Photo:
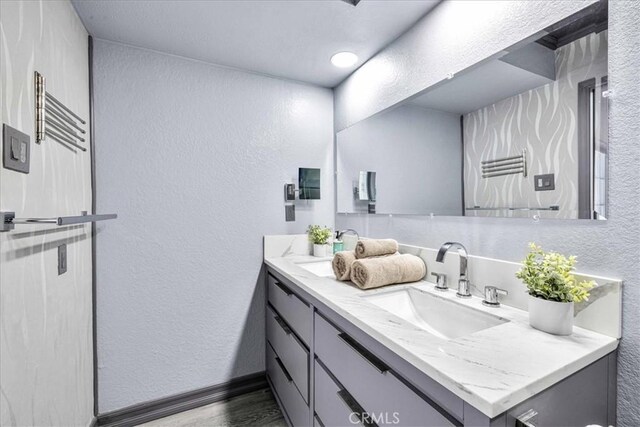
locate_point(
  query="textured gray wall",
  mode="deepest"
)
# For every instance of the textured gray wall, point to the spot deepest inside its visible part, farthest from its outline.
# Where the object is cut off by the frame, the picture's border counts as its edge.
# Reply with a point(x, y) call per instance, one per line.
point(46, 348)
point(193, 157)
point(415, 152)
point(610, 248)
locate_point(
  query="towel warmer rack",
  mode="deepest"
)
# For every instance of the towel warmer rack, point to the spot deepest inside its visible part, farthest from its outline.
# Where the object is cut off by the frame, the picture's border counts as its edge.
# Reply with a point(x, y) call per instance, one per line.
point(8, 220)
point(56, 120)
point(505, 166)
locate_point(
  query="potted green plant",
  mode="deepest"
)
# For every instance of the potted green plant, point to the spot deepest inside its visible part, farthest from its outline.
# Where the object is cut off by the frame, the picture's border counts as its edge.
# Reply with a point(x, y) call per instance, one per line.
point(319, 236)
point(552, 290)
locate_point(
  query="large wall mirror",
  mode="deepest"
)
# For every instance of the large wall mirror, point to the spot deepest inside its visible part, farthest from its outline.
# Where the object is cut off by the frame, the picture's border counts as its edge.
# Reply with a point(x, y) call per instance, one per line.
point(519, 135)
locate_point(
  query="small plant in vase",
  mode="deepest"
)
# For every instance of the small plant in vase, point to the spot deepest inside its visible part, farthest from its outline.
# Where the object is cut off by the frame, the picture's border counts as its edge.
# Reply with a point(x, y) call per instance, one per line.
point(553, 290)
point(319, 236)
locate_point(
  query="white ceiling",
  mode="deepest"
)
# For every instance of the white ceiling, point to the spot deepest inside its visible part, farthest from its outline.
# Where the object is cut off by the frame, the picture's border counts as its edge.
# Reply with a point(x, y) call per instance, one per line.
point(292, 39)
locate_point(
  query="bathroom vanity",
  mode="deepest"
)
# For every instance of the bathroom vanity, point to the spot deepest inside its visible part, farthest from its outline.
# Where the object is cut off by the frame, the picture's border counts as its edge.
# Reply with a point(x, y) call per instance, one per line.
point(339, 356)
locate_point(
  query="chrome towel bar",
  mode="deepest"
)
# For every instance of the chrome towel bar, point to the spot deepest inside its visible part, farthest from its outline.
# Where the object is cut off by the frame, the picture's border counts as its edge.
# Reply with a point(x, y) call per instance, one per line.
point(8, 220)
point(550, 208)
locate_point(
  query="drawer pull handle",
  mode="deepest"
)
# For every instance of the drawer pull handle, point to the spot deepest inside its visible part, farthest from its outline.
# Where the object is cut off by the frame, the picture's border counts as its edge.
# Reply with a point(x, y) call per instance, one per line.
point(364, 353)
point(284, 326)
point(526, 419)
point(354, 407)
point(284, 370)
point(284, 289)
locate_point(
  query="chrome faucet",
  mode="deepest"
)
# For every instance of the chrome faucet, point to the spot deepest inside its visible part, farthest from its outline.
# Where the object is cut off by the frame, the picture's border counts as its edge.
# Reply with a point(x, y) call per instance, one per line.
point(340, 233)
point(464, 285)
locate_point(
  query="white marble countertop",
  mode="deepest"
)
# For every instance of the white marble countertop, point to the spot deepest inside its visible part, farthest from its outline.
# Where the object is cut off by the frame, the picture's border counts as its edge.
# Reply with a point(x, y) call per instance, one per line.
point(493, 369)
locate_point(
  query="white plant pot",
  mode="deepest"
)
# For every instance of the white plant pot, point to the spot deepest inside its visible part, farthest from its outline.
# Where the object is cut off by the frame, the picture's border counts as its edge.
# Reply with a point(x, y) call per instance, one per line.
point(551, 316)
point(320, 250)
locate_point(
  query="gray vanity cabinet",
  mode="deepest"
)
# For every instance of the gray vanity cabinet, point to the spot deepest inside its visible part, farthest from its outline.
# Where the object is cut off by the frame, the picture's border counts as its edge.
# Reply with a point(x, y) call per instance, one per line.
point(324, 371)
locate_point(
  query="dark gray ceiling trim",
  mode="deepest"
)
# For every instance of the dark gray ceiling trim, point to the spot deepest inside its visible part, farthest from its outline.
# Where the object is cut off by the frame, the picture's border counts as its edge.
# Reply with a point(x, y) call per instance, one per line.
point(92, 151)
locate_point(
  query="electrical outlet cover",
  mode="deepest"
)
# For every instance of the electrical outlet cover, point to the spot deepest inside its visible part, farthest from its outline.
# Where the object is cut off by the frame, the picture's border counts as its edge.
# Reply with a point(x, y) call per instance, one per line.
point(544, 182)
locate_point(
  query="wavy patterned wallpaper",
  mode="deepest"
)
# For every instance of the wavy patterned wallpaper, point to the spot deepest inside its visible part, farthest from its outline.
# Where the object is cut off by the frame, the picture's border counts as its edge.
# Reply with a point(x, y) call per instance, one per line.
point(542, 120)
point(46, 357)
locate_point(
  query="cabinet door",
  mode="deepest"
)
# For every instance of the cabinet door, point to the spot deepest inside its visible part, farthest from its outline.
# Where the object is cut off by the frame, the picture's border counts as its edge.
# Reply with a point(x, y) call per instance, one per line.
point(333, 405)
point(293, 310)
point(578, 400)
point(290, 350)
point(292, 402)
point(385, 398)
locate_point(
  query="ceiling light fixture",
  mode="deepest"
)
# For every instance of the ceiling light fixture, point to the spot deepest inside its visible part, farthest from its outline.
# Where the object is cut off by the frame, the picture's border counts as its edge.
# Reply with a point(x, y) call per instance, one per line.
point(344, 59)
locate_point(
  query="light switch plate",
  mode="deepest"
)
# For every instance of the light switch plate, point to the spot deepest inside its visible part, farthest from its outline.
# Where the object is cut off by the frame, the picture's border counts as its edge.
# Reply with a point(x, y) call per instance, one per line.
point(544, 182)
point(62, 259)
point(16, 149)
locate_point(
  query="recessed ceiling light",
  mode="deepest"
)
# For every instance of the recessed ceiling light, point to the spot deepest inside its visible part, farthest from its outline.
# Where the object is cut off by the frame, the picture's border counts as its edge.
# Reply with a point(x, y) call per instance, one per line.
point(344, 59)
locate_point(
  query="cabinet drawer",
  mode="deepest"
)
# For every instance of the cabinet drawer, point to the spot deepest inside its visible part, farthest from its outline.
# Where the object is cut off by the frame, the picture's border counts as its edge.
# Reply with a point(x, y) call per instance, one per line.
point(331, 402)
point(293, 404)
point(380, 392)
point(294, 311)
point(290, 350)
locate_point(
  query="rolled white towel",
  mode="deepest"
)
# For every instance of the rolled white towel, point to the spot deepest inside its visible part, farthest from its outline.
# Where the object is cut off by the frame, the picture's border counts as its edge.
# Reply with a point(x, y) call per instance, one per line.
point(375, 247)
point(371, 273)
point(341, 264)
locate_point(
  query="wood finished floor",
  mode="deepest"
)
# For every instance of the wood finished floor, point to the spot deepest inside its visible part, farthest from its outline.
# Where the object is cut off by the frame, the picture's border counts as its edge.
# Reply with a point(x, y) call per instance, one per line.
point(252, 409)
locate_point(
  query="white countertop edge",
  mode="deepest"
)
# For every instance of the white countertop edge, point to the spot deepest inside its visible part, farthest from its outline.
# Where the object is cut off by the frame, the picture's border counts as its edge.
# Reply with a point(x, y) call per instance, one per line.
point(488, 406)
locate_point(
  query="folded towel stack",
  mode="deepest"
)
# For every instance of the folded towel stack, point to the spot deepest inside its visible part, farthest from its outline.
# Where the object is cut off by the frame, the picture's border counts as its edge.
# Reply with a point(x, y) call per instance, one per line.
point(376, 263)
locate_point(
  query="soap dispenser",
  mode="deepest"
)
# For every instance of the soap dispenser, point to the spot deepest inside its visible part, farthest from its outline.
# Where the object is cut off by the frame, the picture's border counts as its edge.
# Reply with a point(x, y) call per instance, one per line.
point(338, 245)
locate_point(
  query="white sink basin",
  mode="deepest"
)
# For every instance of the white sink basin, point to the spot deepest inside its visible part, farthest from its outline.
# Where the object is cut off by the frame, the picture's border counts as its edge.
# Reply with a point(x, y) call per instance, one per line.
point(438, 316)
point(319, 268)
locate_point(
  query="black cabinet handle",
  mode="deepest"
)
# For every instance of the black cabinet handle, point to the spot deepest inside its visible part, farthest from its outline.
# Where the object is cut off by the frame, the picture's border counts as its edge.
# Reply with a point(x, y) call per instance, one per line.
point(527, 419)
point(284, 370)
point(364, 353)
point(284, 289)
point(283, 325)
point(354, 407)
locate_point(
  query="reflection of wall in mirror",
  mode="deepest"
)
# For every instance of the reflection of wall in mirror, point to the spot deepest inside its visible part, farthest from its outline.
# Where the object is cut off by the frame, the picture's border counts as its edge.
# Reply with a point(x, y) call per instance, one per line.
point(542, 120)
point(415, 153)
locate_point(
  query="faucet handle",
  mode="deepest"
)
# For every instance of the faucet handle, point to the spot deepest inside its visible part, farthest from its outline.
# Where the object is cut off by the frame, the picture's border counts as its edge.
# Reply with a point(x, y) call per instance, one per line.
point(491, 296)
point(464, 289)
point(441, 281)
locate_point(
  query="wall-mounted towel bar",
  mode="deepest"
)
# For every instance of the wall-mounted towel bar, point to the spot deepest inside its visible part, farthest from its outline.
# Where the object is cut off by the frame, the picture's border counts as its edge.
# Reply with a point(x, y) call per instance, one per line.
point(8, 220)
point(550, 208)
point(55, 120)
point(505, 166)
